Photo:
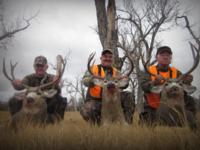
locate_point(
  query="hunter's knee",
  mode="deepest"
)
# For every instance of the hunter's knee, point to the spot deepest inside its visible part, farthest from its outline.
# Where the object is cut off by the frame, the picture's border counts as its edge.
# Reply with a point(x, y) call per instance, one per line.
point(86, 112)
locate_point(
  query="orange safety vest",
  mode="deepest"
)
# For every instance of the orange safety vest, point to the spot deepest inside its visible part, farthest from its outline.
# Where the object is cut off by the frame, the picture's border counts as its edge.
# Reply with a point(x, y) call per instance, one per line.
point(153, 99)
point(96, 91)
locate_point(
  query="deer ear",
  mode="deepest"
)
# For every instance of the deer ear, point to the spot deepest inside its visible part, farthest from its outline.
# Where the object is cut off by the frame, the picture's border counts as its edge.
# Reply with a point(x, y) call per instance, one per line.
point(20, 96)
point(50, 93)
point(189, 88)
point(123, 83)
point(157, 89)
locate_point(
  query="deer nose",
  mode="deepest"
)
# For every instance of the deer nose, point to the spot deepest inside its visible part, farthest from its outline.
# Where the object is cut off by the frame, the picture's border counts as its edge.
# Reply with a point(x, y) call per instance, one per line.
point(111, 85)
point(30, 99)
point(174, 88)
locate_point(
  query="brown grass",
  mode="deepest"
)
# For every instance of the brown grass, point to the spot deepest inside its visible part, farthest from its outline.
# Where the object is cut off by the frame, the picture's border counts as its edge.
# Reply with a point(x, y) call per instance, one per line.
point(74, 133)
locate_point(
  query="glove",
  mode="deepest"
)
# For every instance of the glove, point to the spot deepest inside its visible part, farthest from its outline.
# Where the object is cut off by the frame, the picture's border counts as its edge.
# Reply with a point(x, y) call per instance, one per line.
point(188, 79)
point(159, 80)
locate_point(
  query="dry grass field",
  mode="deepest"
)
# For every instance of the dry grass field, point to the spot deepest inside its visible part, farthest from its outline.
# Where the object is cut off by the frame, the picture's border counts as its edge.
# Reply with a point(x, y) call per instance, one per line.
point(73, 133)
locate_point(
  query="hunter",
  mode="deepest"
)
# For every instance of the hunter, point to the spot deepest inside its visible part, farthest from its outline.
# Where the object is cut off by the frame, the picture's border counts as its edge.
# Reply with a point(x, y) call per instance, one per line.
point(57, 104)
point(91, 110)
point(163, 71)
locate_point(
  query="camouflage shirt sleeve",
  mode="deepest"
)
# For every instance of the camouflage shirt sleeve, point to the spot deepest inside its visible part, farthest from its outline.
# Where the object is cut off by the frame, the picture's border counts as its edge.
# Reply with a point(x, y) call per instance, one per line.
point(126, 80)
point(87, 79)
point(20, 86)
point(25, 80)
point(145, 82)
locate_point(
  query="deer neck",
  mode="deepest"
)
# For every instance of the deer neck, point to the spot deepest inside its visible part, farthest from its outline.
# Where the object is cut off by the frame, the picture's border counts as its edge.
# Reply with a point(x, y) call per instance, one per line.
point(110, 96)
point(172, 101)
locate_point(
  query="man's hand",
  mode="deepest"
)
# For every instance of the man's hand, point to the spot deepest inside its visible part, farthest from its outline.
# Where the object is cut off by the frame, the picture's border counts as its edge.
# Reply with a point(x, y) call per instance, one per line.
point(158, 80)
point(16, 83)
point(188, 79)
point(91, 82)
point(123, 77)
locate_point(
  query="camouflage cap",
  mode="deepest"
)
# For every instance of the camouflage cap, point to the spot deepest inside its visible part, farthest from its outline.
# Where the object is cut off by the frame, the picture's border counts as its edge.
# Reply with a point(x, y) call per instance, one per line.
point(106, 51)
point(163, 49)
point(40, 60)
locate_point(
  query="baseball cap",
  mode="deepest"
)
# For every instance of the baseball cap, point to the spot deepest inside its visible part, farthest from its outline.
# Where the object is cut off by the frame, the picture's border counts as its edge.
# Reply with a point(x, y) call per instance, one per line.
point(40, 60)
point(106, 51)
point(164, 49)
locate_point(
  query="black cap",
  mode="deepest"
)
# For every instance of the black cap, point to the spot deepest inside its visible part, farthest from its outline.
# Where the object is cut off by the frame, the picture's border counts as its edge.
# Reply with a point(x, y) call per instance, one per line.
point(164, 49)
point(106, 51)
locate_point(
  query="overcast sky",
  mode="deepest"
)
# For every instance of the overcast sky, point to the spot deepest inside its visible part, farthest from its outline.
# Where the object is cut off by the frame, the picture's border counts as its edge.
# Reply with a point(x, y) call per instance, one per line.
point(67, 25)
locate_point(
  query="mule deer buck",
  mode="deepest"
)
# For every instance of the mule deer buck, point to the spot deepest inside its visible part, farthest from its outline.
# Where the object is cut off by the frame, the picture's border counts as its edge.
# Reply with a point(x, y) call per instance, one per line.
point(172, 110)
point(34, 106)
point(111, 110)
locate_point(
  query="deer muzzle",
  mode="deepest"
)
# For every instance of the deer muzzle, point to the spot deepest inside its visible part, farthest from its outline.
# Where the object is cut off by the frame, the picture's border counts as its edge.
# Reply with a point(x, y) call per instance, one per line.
point(30, 100)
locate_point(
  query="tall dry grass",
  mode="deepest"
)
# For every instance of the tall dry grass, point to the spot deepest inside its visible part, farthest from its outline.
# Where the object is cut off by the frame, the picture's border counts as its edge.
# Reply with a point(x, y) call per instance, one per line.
point(73, 133)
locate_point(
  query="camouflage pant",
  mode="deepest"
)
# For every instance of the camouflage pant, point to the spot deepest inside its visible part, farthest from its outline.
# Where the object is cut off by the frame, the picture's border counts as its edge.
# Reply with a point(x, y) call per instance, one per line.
point(128, 105)
point(15, 103)
point(91, 110)
point(56, 104)
point(148, 116)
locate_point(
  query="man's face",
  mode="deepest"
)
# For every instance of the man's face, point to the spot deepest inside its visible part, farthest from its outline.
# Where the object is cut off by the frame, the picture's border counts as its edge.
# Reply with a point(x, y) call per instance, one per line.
point(40, 70)
point(107, 59)
point(164, 58)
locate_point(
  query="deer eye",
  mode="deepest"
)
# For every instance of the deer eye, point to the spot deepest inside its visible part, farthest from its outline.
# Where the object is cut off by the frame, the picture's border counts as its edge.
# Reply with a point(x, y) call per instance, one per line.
point(38, 93)
point(105, 81)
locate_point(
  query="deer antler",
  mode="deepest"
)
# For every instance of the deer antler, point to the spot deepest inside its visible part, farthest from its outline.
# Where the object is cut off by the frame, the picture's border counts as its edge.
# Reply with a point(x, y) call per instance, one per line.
point(12, 67)
point(196, 61)
point(193, 48)
point(132, 66)
point(91, 57)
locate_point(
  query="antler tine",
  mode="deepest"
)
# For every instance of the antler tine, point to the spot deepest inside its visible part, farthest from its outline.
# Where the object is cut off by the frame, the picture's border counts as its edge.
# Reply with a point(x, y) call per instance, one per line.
point(188, 26)
point(132, 65)
point(26, 86)
point(64, 66)
point(196, 61)
point(12, 69)
point(48, 84)
point(5, 72)
point(89, 61)
point(12, 72)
